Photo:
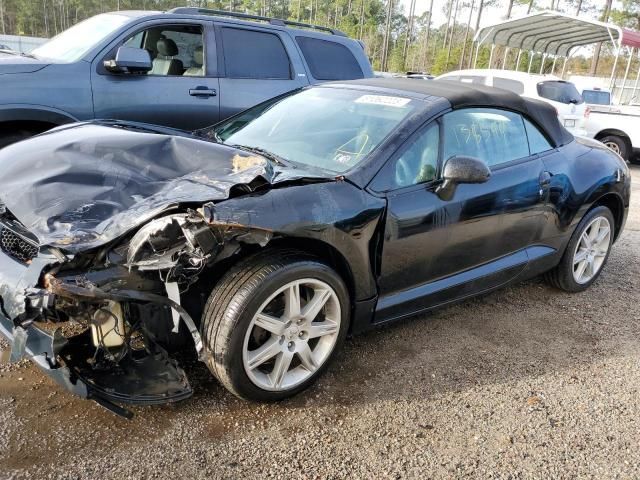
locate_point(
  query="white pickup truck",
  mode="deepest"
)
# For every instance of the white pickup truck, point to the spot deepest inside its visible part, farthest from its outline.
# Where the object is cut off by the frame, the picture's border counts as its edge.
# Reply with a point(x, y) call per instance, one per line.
point(617, 126)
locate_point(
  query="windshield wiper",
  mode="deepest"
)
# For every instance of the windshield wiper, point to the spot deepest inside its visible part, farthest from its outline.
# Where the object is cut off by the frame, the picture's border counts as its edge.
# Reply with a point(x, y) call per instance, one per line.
point(265, 153)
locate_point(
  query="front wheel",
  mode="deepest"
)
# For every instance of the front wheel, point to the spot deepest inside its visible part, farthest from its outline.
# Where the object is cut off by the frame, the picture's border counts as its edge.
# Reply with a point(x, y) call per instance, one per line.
point(273, 323)
point(587, 252)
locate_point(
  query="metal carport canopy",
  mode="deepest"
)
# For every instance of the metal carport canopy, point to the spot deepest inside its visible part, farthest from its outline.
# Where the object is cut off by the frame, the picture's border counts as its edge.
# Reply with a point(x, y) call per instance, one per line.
point(554, 33)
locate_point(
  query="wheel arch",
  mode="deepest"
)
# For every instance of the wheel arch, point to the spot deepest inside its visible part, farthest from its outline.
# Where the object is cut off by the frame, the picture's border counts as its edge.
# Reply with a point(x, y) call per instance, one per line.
point(615, 132)
point(325, 252)
point(614, 203)
point(34, 118)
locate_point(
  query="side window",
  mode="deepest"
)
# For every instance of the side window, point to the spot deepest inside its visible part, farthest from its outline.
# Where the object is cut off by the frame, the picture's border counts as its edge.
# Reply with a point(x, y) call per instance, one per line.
point(329, 60)
point(417, 163)
point(175, 50)
point(495, 136)
point(253, 54)
point(514, 86)
point(537, 141)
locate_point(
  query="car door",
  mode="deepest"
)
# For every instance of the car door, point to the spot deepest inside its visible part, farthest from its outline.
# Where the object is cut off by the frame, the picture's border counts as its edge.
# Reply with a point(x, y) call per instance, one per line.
point(256, 64)
point(182, 89)
point(438, 250)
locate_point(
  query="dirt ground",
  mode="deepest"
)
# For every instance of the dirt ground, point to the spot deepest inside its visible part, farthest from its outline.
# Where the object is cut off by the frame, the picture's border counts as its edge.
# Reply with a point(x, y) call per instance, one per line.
point(527, 382)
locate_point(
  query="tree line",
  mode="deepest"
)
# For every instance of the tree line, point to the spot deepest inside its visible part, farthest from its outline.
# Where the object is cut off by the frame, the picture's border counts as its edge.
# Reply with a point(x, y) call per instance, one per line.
point(395, 40)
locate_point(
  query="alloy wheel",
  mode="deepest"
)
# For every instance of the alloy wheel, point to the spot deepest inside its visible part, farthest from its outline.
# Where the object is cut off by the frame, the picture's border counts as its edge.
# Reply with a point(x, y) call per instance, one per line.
point(591, 250)
point(292, 335)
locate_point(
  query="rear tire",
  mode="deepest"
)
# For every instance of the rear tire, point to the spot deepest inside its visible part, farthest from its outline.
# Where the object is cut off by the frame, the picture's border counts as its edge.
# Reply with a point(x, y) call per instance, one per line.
point(586, 254)
point(262, 347)
point(618, 145)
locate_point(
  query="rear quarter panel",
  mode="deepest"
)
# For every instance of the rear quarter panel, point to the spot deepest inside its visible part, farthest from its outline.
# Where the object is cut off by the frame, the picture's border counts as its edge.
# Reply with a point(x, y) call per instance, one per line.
point(581, 175)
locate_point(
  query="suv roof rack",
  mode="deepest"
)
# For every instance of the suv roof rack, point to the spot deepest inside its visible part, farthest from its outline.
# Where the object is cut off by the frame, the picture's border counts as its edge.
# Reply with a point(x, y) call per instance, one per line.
point(248, 16)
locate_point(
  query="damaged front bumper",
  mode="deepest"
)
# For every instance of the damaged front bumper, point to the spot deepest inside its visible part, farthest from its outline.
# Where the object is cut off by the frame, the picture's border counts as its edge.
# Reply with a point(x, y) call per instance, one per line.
point(145, 376)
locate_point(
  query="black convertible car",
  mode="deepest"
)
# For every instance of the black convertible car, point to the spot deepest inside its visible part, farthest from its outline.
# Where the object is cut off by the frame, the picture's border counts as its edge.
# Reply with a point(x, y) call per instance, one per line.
point(264, 240)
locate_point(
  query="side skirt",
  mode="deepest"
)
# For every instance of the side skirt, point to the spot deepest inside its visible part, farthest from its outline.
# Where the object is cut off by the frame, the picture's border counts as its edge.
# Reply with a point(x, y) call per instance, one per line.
point(460, 286)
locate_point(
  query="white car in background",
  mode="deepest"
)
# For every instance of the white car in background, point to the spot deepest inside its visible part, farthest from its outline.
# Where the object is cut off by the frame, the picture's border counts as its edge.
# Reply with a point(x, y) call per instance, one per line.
point(564, 96)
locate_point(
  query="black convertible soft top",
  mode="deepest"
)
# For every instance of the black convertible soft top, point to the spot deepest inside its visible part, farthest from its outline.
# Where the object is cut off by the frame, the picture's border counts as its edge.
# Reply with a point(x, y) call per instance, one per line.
point(461, 95)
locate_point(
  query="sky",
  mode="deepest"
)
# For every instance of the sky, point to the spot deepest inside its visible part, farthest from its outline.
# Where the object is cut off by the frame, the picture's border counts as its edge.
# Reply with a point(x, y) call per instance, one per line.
point(489, 16)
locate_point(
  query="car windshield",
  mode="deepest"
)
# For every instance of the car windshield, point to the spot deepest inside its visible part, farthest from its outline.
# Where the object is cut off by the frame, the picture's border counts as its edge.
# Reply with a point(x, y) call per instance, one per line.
point(72, 44)
point(560, 91)
point(328, 128)
point(596, 97)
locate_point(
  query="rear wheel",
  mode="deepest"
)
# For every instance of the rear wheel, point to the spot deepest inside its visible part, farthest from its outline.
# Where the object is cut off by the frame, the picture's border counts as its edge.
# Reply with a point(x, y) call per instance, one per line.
point(587, 252)
point(273, 324)
point(617, 144)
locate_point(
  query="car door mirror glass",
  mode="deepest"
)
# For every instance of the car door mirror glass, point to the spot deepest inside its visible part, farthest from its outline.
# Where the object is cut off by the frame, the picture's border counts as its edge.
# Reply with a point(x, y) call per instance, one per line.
point(462, 169)
point(130, 60)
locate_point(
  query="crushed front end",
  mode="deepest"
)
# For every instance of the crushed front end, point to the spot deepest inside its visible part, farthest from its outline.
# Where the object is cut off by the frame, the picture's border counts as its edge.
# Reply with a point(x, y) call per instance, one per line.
point(98, 322)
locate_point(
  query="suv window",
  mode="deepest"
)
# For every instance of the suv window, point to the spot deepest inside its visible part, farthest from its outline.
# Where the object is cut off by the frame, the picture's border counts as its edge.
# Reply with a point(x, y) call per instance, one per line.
point(174, 50)
point(559, 91)
point(329, 60)
point(514, 86)
point(494, 136)
point(537, 141)
point(252, 54)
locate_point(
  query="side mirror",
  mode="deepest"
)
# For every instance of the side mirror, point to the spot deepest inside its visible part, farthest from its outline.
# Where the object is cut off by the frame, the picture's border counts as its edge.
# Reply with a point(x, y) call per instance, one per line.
point(461, 169)
point(129, 60)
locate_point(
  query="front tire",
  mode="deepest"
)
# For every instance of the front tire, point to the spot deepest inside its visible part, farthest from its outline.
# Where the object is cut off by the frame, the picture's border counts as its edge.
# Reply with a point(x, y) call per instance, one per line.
point(587, 252)
point(273, 323)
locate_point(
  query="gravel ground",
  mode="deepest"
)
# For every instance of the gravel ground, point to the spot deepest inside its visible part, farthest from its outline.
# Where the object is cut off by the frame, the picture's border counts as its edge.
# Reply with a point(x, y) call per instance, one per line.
point(527, 382)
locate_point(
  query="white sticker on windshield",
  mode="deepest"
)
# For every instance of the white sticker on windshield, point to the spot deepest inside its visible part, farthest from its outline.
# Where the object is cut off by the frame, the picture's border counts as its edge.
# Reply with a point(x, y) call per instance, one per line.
point(383, 100)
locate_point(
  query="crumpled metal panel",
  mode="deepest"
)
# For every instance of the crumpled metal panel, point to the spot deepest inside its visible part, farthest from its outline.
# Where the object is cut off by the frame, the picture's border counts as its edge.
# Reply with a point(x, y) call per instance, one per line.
point(83, 186)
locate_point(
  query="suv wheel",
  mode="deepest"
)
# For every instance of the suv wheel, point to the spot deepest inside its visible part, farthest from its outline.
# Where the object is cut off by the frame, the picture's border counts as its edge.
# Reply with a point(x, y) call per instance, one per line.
point(273, 323)
point(586, 254)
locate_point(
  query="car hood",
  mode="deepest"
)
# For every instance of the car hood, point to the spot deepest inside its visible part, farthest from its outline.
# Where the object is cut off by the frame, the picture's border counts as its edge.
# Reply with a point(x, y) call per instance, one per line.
point(81, 186)
point(12, 62)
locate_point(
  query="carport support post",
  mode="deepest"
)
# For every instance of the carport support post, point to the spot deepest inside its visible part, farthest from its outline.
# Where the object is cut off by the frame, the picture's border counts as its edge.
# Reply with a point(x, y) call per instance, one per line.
point(544, 57)
point(518, 59)
point(613, 71)
point(475, 58)
point(493, 47)
point(626, 74)
point(553, 67)
point(635, 85)
point(531, 55)
point(504, 59)
point(564, 66)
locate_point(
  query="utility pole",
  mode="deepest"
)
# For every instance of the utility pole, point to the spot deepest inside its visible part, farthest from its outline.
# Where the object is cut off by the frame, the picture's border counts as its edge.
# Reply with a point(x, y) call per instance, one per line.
point(2, 16)
point(446, 32)
point(407, 39)
point(480, 8)
point(453, 29)
point(387, 37)
point(466, 36)
point(596, 53)
point(426, 40)
point(361, 20)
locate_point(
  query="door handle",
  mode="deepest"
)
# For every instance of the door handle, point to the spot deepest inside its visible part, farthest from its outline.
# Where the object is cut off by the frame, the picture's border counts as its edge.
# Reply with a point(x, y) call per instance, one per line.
point(202, 92)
